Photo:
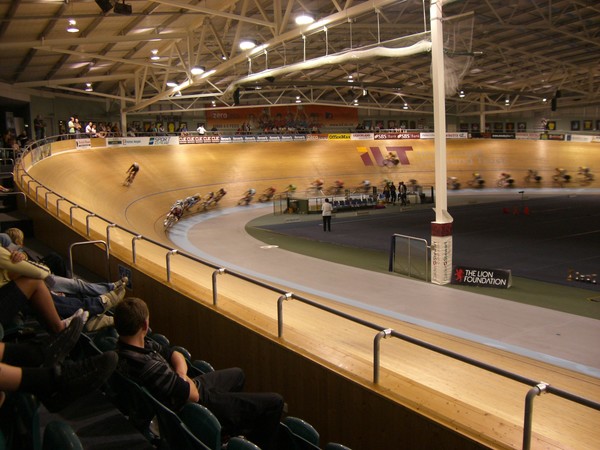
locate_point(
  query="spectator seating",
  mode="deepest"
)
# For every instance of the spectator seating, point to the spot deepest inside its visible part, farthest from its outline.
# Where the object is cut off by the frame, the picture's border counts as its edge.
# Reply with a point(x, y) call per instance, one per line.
point(304, 434)
point(238, 443)
point(58, 435)
point(203, 424)
point(335, 446)
point(133, 402)
point(174, 434)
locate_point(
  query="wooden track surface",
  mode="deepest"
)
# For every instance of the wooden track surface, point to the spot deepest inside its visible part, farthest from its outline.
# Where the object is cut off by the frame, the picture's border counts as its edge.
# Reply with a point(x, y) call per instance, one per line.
point(486, 407)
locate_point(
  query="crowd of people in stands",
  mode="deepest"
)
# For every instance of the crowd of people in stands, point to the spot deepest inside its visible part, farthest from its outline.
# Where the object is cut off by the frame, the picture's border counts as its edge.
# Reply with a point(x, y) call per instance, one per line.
point(78, 130)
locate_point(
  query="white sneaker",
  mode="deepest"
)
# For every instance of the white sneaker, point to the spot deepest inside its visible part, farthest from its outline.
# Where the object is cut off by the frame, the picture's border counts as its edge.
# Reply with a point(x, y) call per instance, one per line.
point(79, 313)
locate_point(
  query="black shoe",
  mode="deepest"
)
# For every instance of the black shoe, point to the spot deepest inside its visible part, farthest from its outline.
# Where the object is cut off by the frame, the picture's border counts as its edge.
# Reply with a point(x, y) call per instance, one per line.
point(74, 379)
point(62, 343)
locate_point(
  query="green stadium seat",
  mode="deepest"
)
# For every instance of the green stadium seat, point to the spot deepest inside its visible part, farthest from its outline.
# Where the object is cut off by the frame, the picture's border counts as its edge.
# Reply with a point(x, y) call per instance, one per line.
point(203, 424)
point(59, 435)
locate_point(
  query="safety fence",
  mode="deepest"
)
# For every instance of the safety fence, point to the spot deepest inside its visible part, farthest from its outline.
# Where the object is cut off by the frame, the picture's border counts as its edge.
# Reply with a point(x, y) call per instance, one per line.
point(33, 188)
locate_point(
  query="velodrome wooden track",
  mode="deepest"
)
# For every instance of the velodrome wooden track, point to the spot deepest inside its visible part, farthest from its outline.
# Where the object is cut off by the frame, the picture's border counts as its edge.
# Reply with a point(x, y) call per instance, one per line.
point(486, 407)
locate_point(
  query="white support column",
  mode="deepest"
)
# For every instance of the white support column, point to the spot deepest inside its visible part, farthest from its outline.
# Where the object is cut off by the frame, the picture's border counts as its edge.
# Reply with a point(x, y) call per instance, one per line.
point(123, 112)
point(482, 113)
point(441, 229)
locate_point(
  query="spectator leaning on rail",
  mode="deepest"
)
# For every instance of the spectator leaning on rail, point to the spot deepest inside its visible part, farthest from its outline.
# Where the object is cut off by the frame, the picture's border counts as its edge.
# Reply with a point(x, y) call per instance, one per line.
point(163, 372)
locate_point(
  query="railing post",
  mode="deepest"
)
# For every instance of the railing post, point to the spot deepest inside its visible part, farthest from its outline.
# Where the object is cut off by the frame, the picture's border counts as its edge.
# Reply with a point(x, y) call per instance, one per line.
point(280, 301)
point(133, 241)
point(383, 334)
point(58, 200)
point(215, 273)
point(531, 394)
point(87, 222)
point(71, 213)
point(108, 227)
point(169, 254)
point(36, 191)
point(29, 185)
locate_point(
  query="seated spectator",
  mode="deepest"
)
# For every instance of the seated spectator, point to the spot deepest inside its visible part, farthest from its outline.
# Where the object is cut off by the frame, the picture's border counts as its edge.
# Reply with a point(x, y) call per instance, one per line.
point(163, 372)
point(23, 287)
point(40, 369)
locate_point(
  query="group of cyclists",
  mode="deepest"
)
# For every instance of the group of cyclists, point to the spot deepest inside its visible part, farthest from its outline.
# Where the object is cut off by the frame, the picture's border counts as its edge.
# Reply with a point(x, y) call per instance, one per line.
point(505, 180)
point(193, 203)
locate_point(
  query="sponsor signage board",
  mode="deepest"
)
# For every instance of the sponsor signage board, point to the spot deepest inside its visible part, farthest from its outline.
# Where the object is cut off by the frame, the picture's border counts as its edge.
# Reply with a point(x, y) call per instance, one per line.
point(502, 135)
point(83, 143)
point(471, 276)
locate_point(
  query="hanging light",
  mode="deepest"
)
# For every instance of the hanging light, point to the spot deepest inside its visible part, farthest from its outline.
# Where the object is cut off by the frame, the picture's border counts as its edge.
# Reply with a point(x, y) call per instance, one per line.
point(247, 44)
point(88, 87)
point(304, 19)
point(154, 56)
point(72, 28)
point(405, 106)
point(298, 99)
point(197, 70)
point(461, 94)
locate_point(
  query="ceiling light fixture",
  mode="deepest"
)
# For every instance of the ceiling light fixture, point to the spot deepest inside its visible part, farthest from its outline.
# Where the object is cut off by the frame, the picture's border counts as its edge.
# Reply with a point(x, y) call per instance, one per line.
point(461, 94)
point(72, 28)
point(304, 19)
point(247, 44)
point(88, 87)
point(298, 99)
point(350, 79)
point(197, 70)
point(405, 106)
point(154, 56)
point(171, 84)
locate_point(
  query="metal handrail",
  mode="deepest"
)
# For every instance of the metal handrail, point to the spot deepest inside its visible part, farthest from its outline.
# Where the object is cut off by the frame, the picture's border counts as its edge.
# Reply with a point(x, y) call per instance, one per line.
point(537, 387)
point(78, 244)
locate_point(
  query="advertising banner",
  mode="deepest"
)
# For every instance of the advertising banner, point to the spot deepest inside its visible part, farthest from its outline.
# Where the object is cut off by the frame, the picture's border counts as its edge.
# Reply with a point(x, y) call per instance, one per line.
point(579, 138)
point(470, 276)
point(83, 143)
point(528, 136)
point(362, 136)
point(199, 139)
point(338, 136)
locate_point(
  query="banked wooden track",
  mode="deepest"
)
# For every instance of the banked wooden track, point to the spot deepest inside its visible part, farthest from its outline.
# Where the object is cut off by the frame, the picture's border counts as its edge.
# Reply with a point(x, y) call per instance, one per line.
point(492, 415)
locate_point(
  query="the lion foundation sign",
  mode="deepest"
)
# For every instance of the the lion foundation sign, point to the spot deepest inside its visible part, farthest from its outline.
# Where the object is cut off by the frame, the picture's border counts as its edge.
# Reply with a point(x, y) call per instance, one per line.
point(468, 276)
